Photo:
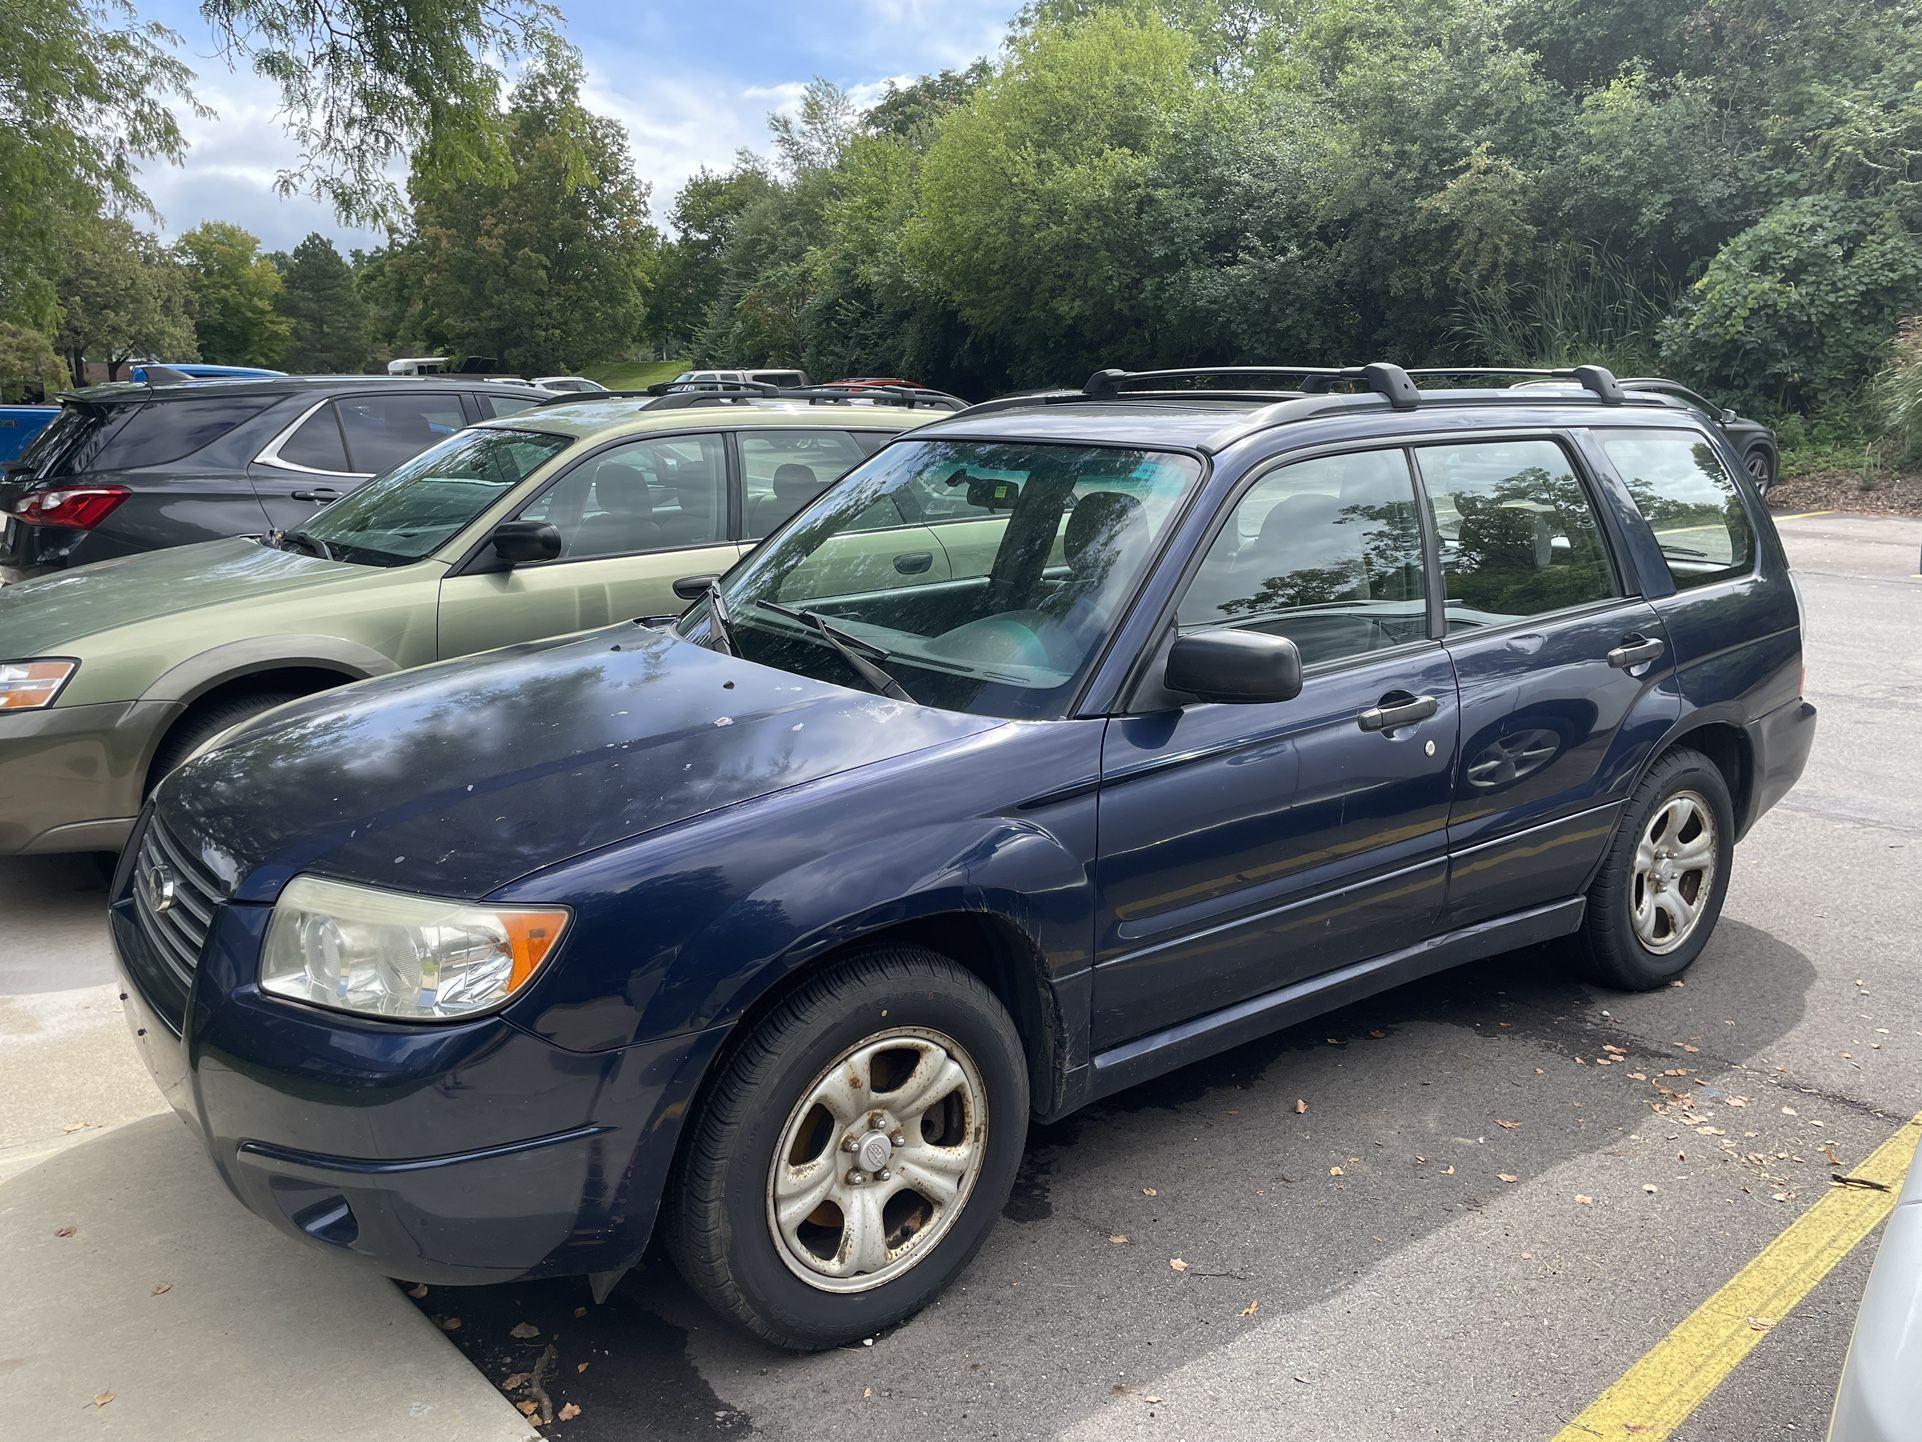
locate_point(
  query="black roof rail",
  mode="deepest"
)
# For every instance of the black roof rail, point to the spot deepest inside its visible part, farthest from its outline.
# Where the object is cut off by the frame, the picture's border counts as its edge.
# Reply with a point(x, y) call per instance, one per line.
point(670, 396)
point(1381, 377)
point(1597, 380)
point(891, 395)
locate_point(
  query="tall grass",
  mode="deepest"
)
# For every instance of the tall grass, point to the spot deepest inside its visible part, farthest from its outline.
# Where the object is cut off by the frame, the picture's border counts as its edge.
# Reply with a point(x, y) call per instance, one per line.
point(1898, 395)
point(1582, 304)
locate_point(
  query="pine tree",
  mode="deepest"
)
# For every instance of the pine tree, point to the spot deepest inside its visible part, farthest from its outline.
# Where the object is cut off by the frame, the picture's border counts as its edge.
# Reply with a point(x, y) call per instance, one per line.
point(328, 319)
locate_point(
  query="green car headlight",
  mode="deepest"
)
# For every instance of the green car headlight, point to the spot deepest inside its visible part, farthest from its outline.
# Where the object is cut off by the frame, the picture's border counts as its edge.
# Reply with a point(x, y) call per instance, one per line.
point(398, 956)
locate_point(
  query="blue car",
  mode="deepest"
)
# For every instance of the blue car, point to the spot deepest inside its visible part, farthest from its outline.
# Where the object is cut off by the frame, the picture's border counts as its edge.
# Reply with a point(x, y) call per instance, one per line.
point(1063, 742)
point(19, 425)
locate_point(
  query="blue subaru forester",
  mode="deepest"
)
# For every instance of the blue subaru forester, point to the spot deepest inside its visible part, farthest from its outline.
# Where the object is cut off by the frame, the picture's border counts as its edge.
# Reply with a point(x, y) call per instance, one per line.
point(1061, 743)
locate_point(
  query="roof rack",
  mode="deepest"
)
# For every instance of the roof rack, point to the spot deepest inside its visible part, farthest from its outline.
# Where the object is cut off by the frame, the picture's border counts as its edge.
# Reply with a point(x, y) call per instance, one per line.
point(670, 396)
point(1598, 380)
point(1383, 378)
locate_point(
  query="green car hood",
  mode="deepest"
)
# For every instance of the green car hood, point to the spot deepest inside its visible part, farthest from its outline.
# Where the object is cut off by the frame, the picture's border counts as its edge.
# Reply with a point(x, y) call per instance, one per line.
point(45, 617)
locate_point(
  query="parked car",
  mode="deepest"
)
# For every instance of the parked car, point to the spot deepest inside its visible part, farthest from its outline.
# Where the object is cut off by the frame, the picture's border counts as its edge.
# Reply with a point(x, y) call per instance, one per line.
point(1168, 716)
point(200, 371)
point(19, 425)
point(1753, 442)
point(1880, 1394)
point(568, 383)
point(555, 520)
point(127, 468)
point(710, 379)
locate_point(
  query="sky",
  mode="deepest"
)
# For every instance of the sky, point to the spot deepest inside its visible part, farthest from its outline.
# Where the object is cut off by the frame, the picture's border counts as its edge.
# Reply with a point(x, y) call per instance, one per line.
point(692, 83)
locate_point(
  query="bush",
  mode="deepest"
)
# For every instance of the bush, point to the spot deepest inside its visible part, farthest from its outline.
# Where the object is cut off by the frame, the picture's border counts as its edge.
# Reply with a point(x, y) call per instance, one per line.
point(1898, 395)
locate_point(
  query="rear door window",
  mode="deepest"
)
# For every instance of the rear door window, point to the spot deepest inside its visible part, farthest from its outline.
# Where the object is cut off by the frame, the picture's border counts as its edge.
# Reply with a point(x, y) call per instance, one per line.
point(317, 444)
point(384, 430)
point(784, 470)
point(1689, 500)
point(496, 406)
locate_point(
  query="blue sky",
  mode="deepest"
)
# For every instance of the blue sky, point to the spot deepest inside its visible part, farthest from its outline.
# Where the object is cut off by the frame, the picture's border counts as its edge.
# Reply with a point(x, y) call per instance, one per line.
point(691, 82)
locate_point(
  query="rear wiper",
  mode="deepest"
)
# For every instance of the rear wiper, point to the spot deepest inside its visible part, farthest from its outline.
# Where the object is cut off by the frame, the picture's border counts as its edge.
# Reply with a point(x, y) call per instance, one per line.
point(312, 545)
point(722, 624)
point(849, 647)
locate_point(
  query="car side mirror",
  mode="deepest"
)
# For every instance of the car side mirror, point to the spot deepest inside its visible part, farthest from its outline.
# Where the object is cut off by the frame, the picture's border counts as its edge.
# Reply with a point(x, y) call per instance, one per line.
point(1243, 667)
point(518, 541)
point(1729, 418)
point(692, 588)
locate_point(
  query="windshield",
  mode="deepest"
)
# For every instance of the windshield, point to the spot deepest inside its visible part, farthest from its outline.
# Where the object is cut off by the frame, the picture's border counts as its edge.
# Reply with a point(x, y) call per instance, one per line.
point(983, 576)
point(419, 506)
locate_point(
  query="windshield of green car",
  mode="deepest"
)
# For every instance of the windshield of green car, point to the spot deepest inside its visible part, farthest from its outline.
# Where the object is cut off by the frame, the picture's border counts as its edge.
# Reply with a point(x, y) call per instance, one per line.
point(417, 507)
point(979, 576)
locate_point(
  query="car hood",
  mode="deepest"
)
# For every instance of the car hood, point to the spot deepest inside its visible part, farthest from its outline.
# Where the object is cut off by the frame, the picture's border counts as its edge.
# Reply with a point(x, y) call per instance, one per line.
point(46, 616)
point(456, 779)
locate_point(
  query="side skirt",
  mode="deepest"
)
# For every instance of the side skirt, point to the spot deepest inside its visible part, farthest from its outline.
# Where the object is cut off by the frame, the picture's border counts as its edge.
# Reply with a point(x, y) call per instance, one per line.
point(1149, 1056)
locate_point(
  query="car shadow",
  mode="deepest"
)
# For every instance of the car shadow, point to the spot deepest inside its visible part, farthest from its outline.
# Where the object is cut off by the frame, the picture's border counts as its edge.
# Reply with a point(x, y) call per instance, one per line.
point(1220, 1153)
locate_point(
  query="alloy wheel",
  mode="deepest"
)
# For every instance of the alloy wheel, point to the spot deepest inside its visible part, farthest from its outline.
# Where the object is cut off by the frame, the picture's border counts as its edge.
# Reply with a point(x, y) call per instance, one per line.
point(1674, 873)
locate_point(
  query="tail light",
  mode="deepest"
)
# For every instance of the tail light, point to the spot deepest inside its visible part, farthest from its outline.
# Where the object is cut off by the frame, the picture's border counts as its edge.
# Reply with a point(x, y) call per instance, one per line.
point(80, 508)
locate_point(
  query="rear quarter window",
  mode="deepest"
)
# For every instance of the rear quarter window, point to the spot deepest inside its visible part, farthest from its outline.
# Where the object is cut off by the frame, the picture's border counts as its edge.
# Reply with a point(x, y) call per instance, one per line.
point(1689, 500)
point(158, 432)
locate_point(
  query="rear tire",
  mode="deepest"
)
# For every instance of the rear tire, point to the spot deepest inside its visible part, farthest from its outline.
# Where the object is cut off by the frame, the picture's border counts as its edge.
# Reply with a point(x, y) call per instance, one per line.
point(1761, 468)
point(1655, 901)
point(199, 727)
point(854, 1153)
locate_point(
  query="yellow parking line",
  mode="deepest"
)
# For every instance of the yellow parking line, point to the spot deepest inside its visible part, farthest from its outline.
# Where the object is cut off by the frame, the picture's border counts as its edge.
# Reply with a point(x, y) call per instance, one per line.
point(1656, 1395)
point(1804, 515)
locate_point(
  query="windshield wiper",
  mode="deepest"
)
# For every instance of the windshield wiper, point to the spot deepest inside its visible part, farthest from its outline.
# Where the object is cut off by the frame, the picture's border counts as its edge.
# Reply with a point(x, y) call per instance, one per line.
point(721, 623)
point(312, 545)
point(846, 645)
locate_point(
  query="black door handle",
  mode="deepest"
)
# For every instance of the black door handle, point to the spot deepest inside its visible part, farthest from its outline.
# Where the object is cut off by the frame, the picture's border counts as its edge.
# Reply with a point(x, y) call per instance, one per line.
point(1634, 650)
point(323, 496)
point(1397, 708)
point(913, 563)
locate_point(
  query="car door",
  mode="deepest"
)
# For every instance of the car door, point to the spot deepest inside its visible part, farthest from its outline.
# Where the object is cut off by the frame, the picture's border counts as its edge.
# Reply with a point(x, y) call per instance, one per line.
point(304, 467)
point(1565, 677)
point(634, 517)
point(1247, 847)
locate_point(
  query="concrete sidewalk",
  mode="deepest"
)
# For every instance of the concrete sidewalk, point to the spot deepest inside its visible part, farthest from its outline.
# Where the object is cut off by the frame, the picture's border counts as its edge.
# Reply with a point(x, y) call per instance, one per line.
point(254, 1335)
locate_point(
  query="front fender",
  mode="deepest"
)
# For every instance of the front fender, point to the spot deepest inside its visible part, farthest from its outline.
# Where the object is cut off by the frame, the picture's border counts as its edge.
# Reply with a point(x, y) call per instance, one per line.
point(217, 665)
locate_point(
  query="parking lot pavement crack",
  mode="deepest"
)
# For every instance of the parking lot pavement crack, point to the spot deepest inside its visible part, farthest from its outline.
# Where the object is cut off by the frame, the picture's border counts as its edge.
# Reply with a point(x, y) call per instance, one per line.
point(1849, 818)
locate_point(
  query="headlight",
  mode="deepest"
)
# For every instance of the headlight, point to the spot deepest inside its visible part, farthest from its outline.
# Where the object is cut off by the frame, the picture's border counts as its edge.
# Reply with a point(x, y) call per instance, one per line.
point(408, 958)
point(29, 685)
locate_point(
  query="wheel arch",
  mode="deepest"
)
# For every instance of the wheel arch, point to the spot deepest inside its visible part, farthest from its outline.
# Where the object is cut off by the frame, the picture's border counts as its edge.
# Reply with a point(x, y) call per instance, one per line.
point(1726, 744)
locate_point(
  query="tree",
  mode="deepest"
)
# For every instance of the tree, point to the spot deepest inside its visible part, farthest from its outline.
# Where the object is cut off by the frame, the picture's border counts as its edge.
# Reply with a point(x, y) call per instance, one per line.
point(548, 267)
point(234, 290)
point(690, 269)
point(122, 297)
point(815, 138)
point(29, 369)
point(326, 318)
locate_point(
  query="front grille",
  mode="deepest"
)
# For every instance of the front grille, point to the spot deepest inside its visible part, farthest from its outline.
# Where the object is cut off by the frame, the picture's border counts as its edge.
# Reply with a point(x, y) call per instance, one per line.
point(176, 933)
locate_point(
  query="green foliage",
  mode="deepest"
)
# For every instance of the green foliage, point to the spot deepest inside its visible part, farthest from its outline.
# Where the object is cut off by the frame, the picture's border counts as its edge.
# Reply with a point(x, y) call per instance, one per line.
point(29, 369)
point(1898, 394)
point(122, 297)
point(327, 322)
point(234, 289)
point(545, 267)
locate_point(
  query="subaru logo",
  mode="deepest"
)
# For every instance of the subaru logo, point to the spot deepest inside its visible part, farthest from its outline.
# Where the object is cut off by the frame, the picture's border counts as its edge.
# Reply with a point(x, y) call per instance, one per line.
point(157, 886)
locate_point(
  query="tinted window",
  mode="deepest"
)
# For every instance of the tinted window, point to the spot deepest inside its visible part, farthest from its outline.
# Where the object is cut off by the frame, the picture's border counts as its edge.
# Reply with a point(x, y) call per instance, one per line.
point(1518, 534)
point(1325, 552)
point(317, 443)
point(1688, 499)
point(417, 508)
point(784, 470)
point(382, 431)
point(512, 405)
point(643, 496)
point(164, 431)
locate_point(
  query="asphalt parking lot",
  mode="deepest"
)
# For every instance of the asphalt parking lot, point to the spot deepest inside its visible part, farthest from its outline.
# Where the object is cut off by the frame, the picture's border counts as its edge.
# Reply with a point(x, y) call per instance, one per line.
point(1504, 1189)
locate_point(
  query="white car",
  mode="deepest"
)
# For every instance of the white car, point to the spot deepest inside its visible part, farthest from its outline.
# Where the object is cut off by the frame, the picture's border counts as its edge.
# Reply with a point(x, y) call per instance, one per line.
point(567, 383)
point(1880, 1396)
point(766, 377)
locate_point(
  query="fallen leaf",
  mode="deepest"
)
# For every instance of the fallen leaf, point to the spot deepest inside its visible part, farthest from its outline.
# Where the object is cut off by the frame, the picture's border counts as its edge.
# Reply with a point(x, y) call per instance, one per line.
point(64, 1232)
point(1506, 1126)
point(1149, 1192)
point(1789, 1111)
point(1690, 1049)
point(1676, 1071)
point(1582, 1201)
point(866, 1392)
point(1619, 1051)
point(1335, 1171)
point(1638, 1076)
point(1650, 1188)
point(1151, 1397)
point(1377, 1033)
point(159, 1287)
point(1734, 1101)
point(1760, 1324)
point(523, 1330)
point(450, 1324)
point(1834, 1160)
point(1528, 1256)
point(514, 1382)
point(1300, 1106)
point(76, 1126)
point(1119, 1239)
point(1177, 1264)
point(417, 1291)
point(580, 1311)
point(580, 1366)
point(526, 1409)
point(1505, 1177)
point(1448, 1171)
point(101, 1399)
point(1254, 1306)
point(570, 1411)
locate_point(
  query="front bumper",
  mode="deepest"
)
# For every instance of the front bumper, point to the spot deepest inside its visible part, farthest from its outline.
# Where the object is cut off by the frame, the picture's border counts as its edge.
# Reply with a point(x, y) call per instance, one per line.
point(451, 1154)
point(1779, 744)
point(71, 777)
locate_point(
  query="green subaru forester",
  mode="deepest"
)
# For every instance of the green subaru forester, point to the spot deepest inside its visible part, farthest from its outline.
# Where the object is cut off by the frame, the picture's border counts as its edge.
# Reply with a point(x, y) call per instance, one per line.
point(553, 520)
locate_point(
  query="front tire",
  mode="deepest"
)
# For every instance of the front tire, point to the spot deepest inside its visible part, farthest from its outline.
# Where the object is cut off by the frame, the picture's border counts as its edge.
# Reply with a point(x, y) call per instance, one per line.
point(1656, 899)
point(854, 1153)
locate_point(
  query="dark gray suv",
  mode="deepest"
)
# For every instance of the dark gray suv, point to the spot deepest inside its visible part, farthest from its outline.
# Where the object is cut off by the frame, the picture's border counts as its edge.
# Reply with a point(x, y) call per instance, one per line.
point(134, 467)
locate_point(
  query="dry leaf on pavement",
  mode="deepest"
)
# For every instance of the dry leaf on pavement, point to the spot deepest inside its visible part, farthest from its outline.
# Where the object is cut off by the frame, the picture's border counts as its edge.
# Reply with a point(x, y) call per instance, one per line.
point(159, 1287)
point(1506, 1126)
point(1650, 1188)
point(64, 1232)
point(1505, 1177)
point(450, 1324)
point(1691, 1049)
point(1177, 1264)
point(526, 1409)
point(1448, 1171)
point(523, 1330)
point(1151, 1397)
point(1254, 1306)
point(580, 1311)
point(417, 1291)
point(580, 1366)
point(514, 1382)
point(1149, 1192)
point(101, 1399)
point(1335, 1171)
point(1119, 1239)
point(1582, 1201)
point(1300, 1106)
point(570, 1411)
